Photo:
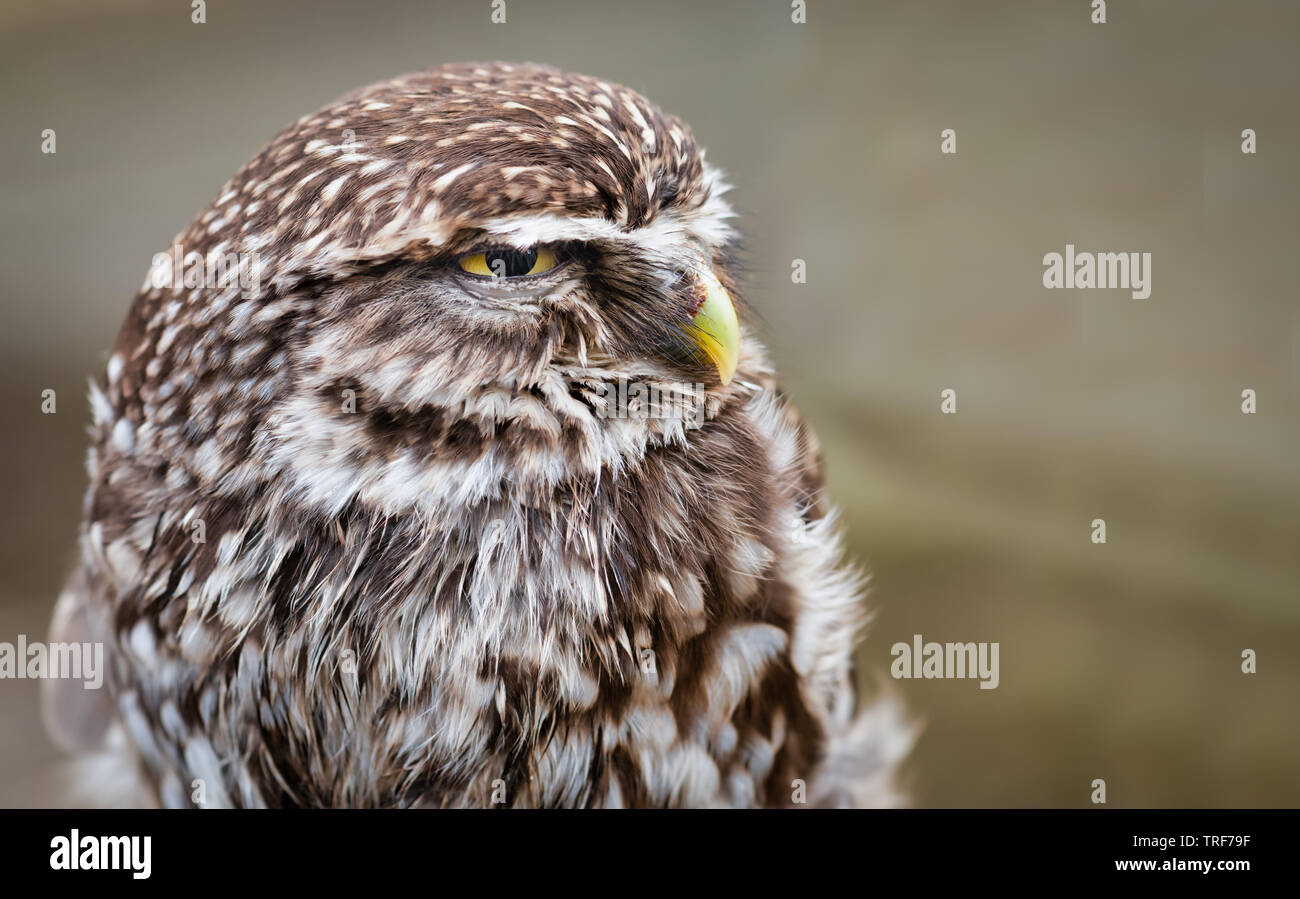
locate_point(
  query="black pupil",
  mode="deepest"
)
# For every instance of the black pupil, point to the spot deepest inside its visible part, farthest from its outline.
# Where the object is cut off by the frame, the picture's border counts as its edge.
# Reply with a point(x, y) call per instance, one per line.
point(511, 263)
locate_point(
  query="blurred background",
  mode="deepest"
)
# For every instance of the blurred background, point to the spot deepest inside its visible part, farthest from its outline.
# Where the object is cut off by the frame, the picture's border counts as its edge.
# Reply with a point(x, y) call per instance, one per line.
point(1119, 661)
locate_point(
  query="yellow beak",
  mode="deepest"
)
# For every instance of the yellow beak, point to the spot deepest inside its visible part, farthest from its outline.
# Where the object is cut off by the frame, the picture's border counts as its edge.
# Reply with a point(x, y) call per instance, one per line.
point(715, 329)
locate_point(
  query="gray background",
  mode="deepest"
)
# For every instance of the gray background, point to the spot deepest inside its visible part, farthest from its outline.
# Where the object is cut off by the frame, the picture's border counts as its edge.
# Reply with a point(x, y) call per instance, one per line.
point(1118, 661)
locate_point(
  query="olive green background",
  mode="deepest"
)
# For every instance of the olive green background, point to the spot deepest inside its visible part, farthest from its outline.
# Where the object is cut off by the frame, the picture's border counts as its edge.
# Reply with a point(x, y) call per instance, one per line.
point(1119, 661)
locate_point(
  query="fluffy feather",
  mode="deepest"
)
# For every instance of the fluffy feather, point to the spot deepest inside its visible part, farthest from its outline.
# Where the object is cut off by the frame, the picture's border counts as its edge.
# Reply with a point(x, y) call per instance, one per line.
point(362, 534)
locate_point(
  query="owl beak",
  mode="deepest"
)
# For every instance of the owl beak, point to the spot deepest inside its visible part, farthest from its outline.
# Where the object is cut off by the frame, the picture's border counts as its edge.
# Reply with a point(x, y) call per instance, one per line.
point(715, 329)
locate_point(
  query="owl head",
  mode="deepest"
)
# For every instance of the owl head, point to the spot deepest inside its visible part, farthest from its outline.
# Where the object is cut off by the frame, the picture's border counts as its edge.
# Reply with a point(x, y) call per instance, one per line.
point(459, 280)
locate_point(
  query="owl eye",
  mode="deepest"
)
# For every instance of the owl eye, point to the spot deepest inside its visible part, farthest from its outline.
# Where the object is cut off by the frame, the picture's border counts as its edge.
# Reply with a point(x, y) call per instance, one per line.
point(505, 262)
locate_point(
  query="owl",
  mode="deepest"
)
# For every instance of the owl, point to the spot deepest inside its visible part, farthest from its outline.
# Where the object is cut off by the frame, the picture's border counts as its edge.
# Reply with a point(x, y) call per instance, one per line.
point(436, 465)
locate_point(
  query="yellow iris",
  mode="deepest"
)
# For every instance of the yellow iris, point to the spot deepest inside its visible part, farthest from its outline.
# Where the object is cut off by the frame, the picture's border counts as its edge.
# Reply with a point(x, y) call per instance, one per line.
point(509, 263)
